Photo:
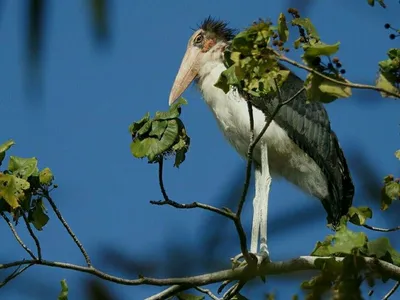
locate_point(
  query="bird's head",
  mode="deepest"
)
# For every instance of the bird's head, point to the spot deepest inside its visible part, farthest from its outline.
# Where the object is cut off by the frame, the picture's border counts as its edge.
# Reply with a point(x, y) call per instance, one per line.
point(208, 41)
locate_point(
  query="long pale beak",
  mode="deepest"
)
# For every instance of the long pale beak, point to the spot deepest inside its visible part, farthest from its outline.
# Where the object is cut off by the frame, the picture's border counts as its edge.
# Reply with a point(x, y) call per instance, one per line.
point(187, 72)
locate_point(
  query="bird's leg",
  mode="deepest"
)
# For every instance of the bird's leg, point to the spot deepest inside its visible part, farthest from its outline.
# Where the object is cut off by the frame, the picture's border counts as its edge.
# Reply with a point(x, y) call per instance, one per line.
point(263, 186)
point(255, 228)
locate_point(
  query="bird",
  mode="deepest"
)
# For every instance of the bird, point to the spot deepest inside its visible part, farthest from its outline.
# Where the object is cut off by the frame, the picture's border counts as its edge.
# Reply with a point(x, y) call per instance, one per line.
point(299, 144)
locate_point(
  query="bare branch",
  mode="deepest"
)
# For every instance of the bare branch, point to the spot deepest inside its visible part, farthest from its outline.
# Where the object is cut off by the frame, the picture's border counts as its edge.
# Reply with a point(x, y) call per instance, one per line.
point(33, 235)
point(392, 291)
point(168, 201)
point(302, 263)
point(14, 232)
point(14, 274)
point(207, 292)
point(69, 230)
point(381, 229)
point(343, 83)
point(222, 212)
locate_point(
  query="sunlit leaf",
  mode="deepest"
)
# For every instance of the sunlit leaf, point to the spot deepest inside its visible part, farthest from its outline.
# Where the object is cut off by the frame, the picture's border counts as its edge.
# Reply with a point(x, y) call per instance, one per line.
point(283, 30)
point(382, 249)
point(307, 25)
point(12, 189)
point(397, 154)
point(384, 83)
point(321, 49)
point(358, 215)
point(23, 167)
point(334, 89)
point(4, 147)
point(389, 193)
point(64, 290)
point(46, 176)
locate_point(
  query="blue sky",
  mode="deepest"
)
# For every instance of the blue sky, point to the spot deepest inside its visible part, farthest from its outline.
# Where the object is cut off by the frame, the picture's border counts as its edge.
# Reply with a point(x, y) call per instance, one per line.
point(79, 129)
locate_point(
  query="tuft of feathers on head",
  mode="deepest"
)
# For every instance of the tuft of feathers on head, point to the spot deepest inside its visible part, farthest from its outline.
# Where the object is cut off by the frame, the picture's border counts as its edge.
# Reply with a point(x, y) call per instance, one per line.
point(219, 28)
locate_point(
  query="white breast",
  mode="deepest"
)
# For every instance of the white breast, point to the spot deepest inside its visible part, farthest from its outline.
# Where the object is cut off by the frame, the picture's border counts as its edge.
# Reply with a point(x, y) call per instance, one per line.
point(285, 157)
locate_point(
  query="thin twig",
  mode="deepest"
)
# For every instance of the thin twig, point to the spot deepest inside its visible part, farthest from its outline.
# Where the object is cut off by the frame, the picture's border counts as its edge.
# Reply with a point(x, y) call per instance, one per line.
point(234, 290)
point(33, 235)
point(222, 212)
point(69, 230)
point(14, 274)
point(207, 292)
point(19, 240)
point(161, 180)
point(168, 201)
point(343, 83)
point(381, 229)
point(249, 162)
point(392, 291)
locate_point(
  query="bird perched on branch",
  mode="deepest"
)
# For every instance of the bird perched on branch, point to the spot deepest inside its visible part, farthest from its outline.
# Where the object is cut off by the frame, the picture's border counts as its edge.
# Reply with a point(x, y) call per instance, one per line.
point(298, 145)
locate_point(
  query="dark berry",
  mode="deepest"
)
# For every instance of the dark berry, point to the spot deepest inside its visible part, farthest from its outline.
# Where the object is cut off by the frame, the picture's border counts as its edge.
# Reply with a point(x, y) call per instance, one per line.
point(275, 42)
point(392, 36)
point(287, 49)
point(342, 71)
point(387, 25)
point(330, 66)
point(335, 60)
point(275, 35)
point(302, 31)
point(316, 61)
point(280, 43)
point(338, 65)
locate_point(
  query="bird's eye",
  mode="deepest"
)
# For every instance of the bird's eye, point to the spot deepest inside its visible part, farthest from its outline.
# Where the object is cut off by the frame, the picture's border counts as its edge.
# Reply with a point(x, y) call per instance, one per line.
point(198, 39)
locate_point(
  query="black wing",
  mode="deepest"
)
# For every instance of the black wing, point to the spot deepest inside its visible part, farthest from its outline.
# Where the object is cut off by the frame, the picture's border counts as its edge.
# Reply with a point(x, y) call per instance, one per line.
point(307, 124)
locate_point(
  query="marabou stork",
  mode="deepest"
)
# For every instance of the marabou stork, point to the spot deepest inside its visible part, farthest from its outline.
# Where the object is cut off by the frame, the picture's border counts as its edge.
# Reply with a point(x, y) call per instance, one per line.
point(299, 144)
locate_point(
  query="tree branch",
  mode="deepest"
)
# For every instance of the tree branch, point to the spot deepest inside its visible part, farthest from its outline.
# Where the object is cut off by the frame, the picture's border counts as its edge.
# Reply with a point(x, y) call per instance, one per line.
point(343, 83)
point(302, 263)
point(19, 270)
point(392, 291)
point(15, 233)
point(33, 235)
point(381, 229)
point(69, 230)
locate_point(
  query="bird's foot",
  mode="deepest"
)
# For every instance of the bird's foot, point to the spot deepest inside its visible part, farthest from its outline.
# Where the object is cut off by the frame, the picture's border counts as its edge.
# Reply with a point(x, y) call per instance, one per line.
point(260, 258)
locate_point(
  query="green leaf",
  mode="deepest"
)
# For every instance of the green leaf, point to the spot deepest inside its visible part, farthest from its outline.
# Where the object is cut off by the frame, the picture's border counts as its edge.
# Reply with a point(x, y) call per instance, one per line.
point(46, 176)
point(307, 25)
point(397, 154)
point(139, 124)
point(358, 215)
point(178, 103)
point(38, 216)
point(4, 147)
point(64, 290)
point(322, 248)
point(158, 128)
point(141, 148)
point(334, 89)
point(228, 78)
point(389, 193)
point(297, 43)
point(12, 189)
point(346, 241)
point(382, 249)
point(321, 49)
point(383, 83)
point(23, 167)
point(283, 30)
point(144, 129)
point(185, 296)
point(314, 94)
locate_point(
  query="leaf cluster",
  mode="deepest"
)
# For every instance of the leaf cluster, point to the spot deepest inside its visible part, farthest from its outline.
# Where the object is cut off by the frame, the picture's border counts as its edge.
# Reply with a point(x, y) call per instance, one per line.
point(21, 187)
point(389, 72)
point(162, 136)
point(252, 61)
point(343, 278)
